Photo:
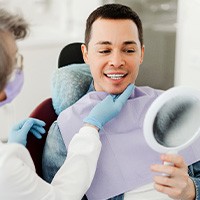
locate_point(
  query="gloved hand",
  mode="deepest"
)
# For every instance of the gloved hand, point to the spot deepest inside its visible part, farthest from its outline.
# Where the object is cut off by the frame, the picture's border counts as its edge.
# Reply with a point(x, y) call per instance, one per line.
point(108, 108)
point(20, 131)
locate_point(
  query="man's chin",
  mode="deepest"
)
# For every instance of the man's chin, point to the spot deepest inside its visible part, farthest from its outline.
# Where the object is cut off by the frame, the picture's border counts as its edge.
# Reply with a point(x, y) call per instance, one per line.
point(112, 89)
point(115, 91)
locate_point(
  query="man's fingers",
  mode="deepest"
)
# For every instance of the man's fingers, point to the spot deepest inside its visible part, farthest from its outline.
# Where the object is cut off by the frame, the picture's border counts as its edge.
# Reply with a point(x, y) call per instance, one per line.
point(174, 158)
point(164, 169)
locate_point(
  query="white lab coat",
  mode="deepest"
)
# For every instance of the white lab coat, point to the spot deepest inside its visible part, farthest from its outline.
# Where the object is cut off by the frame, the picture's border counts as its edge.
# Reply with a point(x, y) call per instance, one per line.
point(18, 180)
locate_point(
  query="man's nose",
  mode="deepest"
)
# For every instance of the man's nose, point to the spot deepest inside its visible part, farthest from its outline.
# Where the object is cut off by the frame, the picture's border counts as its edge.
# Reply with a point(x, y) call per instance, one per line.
point(116, 59)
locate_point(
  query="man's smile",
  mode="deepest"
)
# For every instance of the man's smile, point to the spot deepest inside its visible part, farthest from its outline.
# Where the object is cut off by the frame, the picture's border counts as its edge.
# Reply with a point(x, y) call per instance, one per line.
point(115, 76)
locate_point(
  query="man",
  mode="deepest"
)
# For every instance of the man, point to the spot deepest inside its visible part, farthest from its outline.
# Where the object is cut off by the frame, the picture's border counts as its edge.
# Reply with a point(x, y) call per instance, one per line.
point(114, 50)
point(18, 180)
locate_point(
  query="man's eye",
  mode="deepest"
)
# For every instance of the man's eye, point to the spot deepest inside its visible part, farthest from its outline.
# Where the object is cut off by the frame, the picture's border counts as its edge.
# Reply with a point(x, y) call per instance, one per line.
point(129, 50)
point(104, 51)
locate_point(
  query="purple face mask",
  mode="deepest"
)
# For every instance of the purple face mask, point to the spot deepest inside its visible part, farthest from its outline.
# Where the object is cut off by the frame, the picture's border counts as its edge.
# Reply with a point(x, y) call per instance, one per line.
point(14, 86)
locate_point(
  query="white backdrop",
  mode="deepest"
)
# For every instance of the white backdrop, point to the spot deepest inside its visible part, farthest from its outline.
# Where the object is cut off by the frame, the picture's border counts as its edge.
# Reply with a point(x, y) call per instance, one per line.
point(188, 44)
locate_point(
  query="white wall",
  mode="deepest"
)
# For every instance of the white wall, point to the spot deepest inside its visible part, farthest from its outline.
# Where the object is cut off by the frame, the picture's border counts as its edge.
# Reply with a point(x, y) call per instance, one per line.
point(187, 70)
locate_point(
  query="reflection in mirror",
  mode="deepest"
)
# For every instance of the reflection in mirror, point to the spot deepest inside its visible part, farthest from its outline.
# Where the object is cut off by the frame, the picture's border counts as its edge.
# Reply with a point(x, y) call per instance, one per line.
point(177, 121)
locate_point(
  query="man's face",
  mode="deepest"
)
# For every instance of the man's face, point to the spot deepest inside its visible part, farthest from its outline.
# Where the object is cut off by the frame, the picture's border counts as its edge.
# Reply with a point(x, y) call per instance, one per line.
point(114, 54)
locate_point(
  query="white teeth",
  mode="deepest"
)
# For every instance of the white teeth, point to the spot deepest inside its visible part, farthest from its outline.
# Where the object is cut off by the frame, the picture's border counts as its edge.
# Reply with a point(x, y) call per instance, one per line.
point(115, 76)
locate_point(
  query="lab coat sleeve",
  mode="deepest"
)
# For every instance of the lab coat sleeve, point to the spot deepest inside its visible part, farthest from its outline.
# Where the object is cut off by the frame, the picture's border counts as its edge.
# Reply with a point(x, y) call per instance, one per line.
point(18, 180)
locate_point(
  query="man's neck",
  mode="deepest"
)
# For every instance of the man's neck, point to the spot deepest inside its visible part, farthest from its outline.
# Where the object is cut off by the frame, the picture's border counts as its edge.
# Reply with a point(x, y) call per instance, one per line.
point(91, 88)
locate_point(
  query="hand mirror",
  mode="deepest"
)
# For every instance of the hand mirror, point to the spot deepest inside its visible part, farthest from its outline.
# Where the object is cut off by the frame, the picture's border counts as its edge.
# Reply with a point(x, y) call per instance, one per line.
point(172, 122)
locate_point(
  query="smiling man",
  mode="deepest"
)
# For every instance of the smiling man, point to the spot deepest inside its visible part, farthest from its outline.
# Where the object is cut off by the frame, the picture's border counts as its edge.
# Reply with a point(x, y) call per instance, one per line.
point(114, 50)
point(114, 55)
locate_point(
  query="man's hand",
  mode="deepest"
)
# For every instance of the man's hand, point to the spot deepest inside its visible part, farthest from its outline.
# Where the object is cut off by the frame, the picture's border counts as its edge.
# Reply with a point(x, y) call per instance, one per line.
point(19, 132)
point(108, 108)
point(178, 184)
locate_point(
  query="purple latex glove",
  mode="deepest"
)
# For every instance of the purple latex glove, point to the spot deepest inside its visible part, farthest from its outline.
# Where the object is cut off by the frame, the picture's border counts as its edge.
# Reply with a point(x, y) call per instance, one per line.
point(13, 87)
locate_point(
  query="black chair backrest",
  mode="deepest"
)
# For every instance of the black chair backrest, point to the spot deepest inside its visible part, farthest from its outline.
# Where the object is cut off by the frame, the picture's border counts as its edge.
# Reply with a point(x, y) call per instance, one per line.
point(70, 54)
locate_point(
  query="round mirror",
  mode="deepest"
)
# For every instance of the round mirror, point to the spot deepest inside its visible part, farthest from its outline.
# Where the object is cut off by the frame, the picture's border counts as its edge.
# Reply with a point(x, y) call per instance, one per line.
point(173, 120)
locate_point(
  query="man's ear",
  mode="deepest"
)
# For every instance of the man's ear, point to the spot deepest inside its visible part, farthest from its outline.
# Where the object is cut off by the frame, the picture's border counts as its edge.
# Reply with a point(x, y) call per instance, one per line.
point(85, 53)
point(142, 54)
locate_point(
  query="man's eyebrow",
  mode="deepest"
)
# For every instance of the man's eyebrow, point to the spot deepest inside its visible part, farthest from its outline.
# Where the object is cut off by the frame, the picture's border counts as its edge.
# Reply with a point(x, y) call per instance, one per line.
point(109, 43)
point(129, 42)
point(103, 43)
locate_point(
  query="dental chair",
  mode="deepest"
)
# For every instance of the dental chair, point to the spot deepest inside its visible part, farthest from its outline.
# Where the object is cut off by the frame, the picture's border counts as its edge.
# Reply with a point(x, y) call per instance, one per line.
point(70, 54)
